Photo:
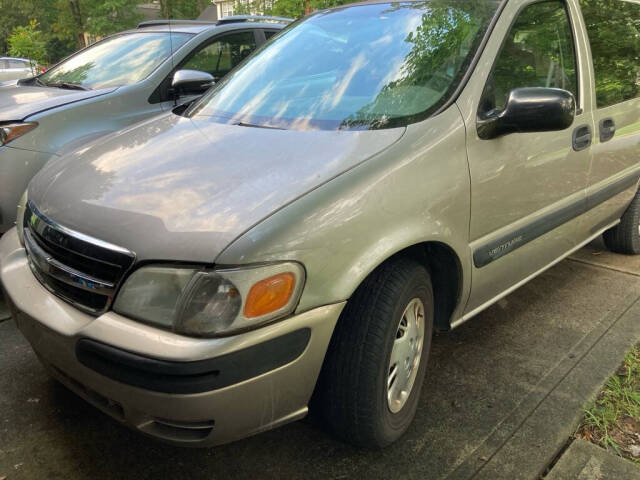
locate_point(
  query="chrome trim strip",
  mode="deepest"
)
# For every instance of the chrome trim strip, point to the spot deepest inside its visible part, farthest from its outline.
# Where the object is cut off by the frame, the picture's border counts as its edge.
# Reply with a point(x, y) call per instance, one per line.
point(57, 257)
point(43, 282)
point(96, 242)
point(63, 273)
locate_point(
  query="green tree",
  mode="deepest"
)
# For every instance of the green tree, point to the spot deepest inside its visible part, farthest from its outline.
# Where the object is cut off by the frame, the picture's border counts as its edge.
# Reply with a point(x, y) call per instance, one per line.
point(96, 17)
point(299, 8)
point(28, 42)
point(110, 16)
point(18, 13)
point(614, 34)
point(63, 23)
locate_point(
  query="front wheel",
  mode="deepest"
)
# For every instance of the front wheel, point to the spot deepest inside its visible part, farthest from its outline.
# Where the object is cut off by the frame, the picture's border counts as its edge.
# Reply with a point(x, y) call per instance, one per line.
point(625, 237)
point(374, 370)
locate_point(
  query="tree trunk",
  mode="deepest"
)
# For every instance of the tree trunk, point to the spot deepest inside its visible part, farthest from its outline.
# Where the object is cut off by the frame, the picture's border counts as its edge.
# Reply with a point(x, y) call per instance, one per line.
point(165, 8)
point(79, 23)
point(201, 6)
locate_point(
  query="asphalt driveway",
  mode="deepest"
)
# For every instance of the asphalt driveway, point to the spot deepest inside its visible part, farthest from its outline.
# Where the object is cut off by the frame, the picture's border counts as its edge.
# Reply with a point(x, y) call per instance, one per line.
point(503, 394)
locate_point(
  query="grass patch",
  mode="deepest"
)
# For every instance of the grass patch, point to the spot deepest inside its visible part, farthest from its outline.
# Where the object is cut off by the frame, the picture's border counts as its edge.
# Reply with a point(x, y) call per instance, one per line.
point(613, 419)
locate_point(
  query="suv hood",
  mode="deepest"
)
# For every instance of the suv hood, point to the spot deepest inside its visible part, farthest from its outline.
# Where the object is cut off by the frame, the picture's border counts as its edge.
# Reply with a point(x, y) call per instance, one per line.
point(17, 102)
point(183, 189)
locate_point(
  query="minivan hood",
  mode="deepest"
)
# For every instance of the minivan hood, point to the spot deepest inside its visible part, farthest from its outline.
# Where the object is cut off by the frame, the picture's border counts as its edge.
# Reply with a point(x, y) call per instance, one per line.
point(17, 102)
point(182, 189)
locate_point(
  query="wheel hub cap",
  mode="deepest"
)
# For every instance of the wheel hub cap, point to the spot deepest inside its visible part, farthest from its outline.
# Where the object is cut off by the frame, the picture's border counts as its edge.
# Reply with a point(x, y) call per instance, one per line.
point(405, 355)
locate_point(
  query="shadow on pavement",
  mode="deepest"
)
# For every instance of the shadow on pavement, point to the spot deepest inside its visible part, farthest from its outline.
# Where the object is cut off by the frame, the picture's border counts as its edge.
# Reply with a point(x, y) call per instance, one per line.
point(4, 310)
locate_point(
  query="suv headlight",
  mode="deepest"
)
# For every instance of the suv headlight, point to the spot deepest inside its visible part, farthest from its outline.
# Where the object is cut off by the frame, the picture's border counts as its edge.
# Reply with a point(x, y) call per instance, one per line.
point(11, 131)
point(205, 303)
point(22, 205)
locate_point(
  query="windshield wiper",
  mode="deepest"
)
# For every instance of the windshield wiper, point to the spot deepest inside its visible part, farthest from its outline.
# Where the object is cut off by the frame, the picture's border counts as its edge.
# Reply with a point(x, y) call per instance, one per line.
point(39, 82)
point(244, 124)
point(67, 85)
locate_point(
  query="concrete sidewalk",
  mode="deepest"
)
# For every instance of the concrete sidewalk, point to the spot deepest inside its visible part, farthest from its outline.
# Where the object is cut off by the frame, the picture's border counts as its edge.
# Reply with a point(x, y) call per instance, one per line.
point(503, 394)
point(585, 461)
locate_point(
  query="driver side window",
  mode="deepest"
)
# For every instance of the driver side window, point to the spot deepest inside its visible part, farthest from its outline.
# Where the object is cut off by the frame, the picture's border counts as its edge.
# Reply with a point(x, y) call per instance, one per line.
point(219, 57)
point(538, 52)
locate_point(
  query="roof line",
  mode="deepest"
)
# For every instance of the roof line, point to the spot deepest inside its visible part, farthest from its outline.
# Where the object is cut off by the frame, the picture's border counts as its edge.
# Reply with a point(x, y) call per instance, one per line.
point(222, 21)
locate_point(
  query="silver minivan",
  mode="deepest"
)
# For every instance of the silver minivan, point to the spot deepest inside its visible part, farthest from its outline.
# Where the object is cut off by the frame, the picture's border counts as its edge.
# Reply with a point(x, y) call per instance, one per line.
point(116, 82)
point(376, 172)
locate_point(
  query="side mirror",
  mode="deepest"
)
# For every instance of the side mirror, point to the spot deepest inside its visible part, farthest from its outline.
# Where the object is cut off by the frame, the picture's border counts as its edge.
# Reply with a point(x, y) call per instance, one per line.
point(191, 81)
point(529, 110)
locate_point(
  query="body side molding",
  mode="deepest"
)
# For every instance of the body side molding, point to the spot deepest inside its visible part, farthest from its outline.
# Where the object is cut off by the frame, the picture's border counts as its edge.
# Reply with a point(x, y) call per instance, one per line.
point(495, 249)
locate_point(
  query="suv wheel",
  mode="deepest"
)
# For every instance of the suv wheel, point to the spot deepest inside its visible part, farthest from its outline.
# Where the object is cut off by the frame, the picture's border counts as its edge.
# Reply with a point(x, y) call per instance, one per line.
point(625, 237)
point(374, 370)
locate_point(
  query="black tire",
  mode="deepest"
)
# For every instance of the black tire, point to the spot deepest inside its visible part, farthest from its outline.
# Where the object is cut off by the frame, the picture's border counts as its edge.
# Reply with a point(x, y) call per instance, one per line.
point(352, 391)
point(625, 237)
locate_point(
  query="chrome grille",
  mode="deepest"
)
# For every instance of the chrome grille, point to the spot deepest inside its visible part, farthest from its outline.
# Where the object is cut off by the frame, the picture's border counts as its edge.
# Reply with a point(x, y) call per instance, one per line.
point(82, 270)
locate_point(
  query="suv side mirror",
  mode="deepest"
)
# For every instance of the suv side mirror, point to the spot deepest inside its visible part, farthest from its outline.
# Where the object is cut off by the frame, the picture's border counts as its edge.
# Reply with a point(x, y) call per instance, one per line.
point(529, 110)
point(192, 82)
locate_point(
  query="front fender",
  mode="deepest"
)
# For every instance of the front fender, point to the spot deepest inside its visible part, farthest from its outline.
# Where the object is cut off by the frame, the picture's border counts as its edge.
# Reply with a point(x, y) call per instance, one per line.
point(416, 191)
point(17, 167)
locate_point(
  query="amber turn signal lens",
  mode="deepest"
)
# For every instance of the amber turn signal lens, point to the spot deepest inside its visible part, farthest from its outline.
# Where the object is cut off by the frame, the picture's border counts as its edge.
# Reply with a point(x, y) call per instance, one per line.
point(14, 130)
point(269, 295)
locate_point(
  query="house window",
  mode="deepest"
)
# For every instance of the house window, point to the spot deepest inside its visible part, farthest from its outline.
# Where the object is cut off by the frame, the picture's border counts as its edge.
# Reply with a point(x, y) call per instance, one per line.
point(227, 9)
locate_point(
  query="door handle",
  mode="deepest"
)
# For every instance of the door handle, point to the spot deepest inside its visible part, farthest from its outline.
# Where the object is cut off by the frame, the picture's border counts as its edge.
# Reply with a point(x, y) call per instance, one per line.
point(582, 137)
point(607, 129)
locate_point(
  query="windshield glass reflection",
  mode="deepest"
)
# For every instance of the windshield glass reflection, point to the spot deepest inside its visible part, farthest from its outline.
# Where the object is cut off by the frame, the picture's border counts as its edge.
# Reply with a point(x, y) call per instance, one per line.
point(359, 67)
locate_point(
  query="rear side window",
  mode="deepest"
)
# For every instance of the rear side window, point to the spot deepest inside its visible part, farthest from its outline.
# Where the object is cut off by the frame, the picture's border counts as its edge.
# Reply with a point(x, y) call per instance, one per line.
point(614, 34)
point(269, 33)
point(538, 52)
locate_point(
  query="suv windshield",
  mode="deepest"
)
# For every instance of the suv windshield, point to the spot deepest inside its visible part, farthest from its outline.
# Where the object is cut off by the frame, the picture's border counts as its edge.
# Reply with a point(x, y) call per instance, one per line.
point(358, 67)
point(118, 60)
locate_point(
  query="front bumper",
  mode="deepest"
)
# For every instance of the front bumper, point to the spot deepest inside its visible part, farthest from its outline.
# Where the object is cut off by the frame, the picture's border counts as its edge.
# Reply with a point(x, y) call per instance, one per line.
point(243, 398)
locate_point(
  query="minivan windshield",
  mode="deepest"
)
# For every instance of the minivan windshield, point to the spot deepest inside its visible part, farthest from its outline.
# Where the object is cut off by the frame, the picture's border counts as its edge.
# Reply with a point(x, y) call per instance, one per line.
point(359, 67)
point(119, 60)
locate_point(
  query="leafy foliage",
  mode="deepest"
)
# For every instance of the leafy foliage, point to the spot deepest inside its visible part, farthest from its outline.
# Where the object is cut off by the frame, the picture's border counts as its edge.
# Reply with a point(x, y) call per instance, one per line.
point(18, 13)
point(285, 8)
point(614, 33)
point(95, 17)
point(181, 8)
point(63, 23)
point(613, 419)
point(27, 42)
point(299, 8)
point(109, 16)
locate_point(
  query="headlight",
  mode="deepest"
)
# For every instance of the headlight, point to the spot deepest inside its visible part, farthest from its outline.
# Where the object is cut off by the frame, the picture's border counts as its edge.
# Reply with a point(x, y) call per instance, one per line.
point(12, 131)
point(22, 205)
point(205, 303)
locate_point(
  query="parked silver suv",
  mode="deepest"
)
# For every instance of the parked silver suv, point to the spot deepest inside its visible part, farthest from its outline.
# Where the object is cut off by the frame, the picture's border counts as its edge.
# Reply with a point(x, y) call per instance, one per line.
point(114, 83)
point(376, 172)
